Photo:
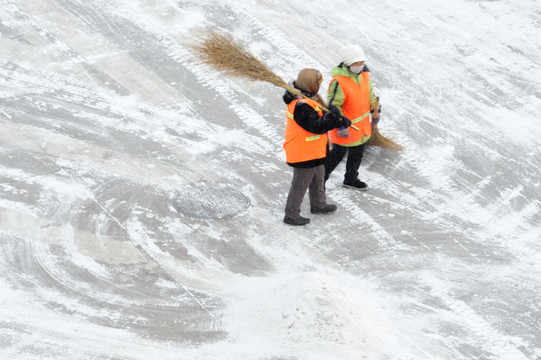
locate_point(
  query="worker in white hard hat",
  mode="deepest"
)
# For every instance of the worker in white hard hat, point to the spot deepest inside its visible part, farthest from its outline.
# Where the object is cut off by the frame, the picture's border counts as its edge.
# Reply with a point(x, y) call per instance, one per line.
point(351, 91)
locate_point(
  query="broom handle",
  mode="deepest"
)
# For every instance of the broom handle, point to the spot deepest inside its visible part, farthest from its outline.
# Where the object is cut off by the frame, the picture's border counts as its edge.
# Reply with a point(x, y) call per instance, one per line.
point(375, 114)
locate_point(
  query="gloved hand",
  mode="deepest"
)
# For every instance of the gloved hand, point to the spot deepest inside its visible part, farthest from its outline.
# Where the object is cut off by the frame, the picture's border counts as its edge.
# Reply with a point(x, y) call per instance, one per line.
point(346, 122)
point(343, 131)
point(335, 111)
point(375, 121)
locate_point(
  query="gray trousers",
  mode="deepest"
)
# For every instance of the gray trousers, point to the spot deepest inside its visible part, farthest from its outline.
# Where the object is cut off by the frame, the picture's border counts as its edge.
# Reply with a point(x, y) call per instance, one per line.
point(311, 179)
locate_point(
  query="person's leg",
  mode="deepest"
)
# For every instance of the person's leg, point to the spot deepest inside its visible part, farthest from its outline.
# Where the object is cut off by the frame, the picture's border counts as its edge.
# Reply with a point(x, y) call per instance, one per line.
point(334, 156)
point(316, 191)
point(300, 183)
point(355, 156)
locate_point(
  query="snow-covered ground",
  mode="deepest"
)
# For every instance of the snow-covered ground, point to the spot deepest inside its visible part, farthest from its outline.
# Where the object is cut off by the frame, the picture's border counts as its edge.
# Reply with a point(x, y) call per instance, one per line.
point(105, 119)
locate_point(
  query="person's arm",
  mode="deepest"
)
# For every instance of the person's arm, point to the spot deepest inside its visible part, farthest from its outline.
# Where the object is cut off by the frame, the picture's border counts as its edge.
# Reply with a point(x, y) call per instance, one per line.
point(372, 96)
point(309, 119)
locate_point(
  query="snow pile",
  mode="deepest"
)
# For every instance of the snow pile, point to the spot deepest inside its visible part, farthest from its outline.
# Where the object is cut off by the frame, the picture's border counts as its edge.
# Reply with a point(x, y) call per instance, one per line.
point(307, 309)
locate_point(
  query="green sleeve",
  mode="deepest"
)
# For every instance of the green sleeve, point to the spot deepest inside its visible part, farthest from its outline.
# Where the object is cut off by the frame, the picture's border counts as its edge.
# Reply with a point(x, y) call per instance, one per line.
point(372, 96)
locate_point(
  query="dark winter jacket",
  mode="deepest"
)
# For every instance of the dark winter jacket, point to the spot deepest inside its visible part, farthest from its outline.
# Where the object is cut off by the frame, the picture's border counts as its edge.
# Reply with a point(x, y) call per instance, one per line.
point(307, 118)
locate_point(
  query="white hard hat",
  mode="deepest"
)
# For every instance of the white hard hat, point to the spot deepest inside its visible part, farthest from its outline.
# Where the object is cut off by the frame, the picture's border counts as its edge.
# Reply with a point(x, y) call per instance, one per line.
point(351, 54)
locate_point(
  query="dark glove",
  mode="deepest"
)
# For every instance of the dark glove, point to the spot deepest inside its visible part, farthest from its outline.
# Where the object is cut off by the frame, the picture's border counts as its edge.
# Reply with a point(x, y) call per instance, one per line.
point(334, 110)
point(375, 121)
point(346, 122)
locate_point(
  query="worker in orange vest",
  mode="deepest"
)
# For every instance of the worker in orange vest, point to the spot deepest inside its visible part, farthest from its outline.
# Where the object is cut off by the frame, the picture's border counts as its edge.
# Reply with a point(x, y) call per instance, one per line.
point(305, 146)
point(351, 91)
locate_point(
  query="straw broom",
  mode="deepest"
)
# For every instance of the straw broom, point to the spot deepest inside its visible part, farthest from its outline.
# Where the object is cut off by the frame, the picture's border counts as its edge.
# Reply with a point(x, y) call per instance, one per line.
point(379, 140)
point(222, 53)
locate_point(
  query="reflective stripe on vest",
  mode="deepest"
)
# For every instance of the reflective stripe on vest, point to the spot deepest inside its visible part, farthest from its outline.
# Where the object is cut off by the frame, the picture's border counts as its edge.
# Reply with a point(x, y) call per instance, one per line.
point(301, 145)
point(356, 107)
point(353, 121)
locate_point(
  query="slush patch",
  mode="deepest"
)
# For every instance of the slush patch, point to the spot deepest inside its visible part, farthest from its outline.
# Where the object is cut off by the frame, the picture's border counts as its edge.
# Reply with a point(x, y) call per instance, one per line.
point(210, 201)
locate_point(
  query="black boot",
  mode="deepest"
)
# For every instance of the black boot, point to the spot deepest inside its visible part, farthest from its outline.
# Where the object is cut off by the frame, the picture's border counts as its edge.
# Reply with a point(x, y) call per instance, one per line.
point(329, 208)
point(356, 184)
point(297, 222)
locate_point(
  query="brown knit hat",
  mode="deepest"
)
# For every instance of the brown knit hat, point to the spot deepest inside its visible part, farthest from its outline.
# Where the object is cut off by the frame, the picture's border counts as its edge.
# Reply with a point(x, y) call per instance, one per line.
point(309, 80)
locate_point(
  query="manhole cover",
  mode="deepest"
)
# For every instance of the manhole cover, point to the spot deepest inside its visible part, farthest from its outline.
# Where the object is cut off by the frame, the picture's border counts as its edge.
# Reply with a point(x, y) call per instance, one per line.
point(210, 201)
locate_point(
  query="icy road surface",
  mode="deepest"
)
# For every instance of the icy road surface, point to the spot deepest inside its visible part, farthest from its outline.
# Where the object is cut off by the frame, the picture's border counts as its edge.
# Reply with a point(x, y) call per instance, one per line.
point(105, 121)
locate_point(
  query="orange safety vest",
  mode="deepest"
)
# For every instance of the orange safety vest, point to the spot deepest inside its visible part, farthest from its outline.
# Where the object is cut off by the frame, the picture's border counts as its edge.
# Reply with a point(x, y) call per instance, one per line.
point(301, 145)
point(356, 107)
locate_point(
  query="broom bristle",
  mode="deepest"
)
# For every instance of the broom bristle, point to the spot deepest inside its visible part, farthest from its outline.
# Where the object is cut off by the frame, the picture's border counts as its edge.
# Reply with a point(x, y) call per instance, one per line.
point(224, 54)
point(379, 140)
